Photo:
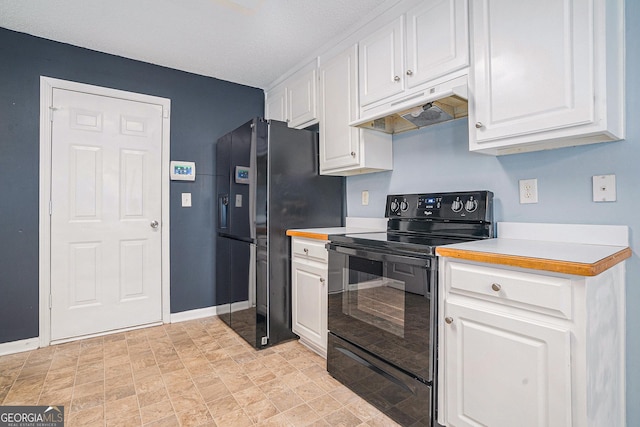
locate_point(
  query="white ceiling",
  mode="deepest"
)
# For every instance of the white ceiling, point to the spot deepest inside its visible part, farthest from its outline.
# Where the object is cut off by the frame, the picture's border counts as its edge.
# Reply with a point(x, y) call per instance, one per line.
point(251, 42)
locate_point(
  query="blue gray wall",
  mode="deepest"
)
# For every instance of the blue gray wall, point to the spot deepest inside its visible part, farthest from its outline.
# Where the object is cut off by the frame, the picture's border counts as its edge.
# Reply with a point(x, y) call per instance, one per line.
point(202, 109)
point(437, 159)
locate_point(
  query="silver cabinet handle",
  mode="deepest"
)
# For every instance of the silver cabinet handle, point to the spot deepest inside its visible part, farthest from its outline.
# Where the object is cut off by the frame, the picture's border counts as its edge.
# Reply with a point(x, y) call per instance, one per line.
point(479, 125)
point(306, 251)
point(396, 79)
point(322, 280)
point(496, 287)
point(154, 224)
point(409, 73)
point(353, 154)
point(448, 320)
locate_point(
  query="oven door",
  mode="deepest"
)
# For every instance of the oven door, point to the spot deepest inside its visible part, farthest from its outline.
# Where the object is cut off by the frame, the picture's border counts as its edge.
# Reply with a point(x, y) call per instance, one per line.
point(384, 303)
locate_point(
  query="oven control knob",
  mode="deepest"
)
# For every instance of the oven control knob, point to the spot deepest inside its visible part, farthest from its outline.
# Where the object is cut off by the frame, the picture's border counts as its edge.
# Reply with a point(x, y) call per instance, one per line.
point(471, 205)
point(404, 205)
point(456, 206)
point(394, 205)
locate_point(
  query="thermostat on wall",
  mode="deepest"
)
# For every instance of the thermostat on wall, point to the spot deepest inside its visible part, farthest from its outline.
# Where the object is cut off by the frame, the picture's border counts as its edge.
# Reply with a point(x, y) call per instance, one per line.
point(182, 171)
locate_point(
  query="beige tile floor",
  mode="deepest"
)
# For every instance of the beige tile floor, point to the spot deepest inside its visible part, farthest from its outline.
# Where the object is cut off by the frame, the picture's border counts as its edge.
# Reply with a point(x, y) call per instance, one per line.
point(183, 374)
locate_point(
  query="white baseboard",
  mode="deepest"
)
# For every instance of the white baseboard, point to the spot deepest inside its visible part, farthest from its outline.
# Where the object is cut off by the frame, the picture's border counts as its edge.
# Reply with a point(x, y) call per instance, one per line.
point(199, 313)
point(19, 346)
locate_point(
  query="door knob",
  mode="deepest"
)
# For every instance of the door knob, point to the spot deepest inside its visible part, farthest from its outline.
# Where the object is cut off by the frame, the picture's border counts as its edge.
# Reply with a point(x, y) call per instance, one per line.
point(409, 73)
point(154, 224)
point(496, 287)
point(448, 320)
point(479, 125)
point(396, 79)
point(353, 154)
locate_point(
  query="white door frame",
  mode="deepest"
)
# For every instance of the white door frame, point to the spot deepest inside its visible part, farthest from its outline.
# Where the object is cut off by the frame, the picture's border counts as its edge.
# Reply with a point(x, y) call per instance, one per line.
point(47, 84)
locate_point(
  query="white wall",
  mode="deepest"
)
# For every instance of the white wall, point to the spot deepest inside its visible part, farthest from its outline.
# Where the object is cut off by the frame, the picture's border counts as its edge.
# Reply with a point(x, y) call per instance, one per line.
point(436, 159)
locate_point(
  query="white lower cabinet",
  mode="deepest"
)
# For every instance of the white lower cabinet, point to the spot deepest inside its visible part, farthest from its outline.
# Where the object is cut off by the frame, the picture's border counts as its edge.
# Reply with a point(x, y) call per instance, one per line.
point(309, 292)
point(522, 348)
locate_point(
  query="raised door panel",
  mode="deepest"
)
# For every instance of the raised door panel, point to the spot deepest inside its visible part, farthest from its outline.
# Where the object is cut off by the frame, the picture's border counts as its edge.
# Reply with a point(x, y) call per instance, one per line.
point(339, 142)
point(381, 61)
point(437, 40)
point(532, 67)
point(302, 99)
point(275, 106)
point(501, 371)
point(309, 298)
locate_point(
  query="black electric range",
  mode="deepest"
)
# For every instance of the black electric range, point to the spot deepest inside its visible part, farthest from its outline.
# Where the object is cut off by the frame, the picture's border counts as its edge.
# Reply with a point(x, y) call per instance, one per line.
point(382, 309)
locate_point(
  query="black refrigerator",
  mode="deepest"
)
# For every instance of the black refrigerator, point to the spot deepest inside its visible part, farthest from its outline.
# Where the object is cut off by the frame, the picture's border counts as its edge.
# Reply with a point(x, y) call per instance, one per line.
point(267, 182)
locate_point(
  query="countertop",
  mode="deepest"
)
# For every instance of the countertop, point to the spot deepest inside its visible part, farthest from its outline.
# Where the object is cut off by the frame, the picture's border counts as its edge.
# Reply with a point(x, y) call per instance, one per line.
point(324, 233)
point(560, 257)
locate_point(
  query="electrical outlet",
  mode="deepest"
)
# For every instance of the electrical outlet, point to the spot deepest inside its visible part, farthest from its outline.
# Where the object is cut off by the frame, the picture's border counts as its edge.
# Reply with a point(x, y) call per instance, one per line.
point(365, 198)
point(528, 190)
point(604, 188)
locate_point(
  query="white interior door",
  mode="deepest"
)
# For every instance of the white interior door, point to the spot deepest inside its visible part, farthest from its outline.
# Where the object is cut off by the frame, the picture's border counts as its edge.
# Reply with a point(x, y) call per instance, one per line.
point(105, 201)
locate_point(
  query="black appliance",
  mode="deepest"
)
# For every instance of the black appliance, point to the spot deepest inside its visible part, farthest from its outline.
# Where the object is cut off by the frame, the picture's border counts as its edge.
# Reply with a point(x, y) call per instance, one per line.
point(267, 182)
point(383, 289)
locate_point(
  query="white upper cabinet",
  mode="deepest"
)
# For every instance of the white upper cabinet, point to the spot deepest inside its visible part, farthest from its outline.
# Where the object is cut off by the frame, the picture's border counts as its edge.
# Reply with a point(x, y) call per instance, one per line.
point(545, 74)
point(437, 40)
point(295, 100)
point(346, 150)
point(434, 34)
point(302, 98)
point(276, 104)
point(382, 62)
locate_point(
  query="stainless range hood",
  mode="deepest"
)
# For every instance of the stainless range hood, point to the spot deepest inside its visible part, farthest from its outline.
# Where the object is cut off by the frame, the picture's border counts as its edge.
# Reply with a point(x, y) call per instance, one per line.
point(441, 103)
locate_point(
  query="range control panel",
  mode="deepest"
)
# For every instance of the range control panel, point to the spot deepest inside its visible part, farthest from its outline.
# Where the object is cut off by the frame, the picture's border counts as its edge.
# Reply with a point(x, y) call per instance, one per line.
point(468, 206)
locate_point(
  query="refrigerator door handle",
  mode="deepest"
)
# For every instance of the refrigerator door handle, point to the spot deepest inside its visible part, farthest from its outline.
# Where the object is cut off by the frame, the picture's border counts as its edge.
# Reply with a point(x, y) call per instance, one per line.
point(223, 211)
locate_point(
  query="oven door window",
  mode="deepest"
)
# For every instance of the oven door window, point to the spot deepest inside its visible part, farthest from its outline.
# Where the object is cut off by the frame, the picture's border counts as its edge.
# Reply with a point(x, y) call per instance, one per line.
point(384, 306)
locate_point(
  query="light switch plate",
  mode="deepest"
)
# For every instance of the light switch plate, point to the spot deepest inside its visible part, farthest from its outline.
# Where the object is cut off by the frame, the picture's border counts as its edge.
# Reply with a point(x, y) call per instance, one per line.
point(604, 188)
point(186, 200)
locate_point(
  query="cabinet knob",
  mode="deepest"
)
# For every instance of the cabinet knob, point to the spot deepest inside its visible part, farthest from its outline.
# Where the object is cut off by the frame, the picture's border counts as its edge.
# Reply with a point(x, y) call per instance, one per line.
point(496, 287)
point(353, 154)
point(396, 79)
point(448, 320)
point(322, 280)
point(479, 125)
point(409, 73)
point(306, 251)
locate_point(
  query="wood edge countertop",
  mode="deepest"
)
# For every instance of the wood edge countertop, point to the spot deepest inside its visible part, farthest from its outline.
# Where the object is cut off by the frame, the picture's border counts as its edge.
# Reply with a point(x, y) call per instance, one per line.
point(324, 233)
point(536, 263)
point(308, 234)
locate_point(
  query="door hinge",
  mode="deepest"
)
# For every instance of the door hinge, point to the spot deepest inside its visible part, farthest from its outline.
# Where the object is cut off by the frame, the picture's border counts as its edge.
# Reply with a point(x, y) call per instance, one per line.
point(50, 302)
point(165, 113)
point(51, 111)
point(50, 208)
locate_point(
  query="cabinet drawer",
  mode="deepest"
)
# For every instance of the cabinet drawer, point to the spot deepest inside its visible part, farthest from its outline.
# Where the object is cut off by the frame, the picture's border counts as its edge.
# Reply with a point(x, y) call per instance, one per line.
point(535, 292)
point(309, 249)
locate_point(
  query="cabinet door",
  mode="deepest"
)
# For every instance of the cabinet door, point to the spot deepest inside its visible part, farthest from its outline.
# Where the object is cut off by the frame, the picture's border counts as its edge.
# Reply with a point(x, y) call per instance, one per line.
point(381, 63)
point(302, 99)
point(275, 106)
point(339, 142)
point(502, 371)
point(437, 40)
point(309, 300)
point(532, 68)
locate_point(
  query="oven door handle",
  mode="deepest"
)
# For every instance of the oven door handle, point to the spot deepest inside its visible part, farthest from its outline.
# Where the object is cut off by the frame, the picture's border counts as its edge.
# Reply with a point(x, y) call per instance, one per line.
point(379, 256)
